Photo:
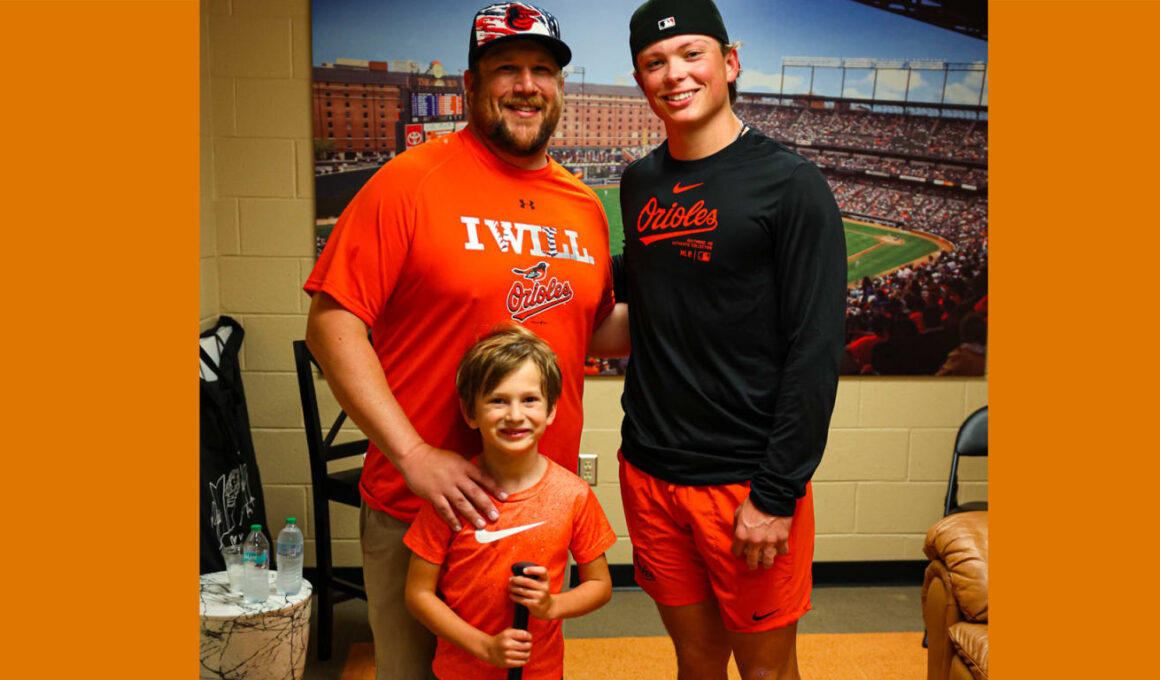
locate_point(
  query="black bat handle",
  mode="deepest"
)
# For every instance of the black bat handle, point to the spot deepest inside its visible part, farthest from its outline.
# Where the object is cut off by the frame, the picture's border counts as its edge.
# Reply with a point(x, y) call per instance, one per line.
point(520, 620)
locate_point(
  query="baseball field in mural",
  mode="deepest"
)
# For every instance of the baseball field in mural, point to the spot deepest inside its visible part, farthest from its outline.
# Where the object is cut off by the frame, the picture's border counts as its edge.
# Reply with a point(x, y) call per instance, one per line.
point(893, 111)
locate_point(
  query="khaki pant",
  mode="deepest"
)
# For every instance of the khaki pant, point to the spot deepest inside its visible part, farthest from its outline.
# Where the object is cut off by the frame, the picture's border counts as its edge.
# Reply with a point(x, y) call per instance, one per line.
point(404, 648)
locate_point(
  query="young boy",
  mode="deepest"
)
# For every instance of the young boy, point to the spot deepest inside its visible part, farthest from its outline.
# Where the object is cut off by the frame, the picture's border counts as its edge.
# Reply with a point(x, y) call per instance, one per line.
point(459, 584)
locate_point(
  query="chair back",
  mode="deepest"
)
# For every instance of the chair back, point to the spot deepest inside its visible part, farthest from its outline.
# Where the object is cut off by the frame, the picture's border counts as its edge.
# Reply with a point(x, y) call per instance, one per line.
point(970, 441)
point(972, 438)
point(322, 449)
point(341, 487)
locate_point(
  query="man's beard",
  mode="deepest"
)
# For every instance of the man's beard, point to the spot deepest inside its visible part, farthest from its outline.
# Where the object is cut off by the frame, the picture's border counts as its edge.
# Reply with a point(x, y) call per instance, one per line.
point(491, 124)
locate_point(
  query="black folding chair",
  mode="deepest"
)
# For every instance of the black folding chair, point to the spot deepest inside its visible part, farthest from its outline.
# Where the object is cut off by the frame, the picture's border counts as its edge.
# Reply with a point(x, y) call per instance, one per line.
point(971, 441)
point(340, 487)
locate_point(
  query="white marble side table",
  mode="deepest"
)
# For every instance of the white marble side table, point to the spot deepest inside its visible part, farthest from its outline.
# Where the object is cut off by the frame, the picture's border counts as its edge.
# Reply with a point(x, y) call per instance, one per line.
point(264, 641)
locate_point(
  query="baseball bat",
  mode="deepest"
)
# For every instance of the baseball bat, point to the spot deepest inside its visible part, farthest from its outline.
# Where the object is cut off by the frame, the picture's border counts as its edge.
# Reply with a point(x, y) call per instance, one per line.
point(520, 619)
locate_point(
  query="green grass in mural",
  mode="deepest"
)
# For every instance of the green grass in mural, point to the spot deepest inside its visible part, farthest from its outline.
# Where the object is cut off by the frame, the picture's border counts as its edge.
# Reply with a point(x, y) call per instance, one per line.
point(885, 258)
point(856, 243)
point(610, 197)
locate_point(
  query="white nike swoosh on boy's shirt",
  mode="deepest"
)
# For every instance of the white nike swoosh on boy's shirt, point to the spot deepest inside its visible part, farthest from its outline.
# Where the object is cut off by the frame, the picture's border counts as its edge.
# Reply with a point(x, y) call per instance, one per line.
point(485, 536)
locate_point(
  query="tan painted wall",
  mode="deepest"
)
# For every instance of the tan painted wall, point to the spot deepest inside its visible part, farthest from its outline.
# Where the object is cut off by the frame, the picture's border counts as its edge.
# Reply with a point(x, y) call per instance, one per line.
point(880, 485)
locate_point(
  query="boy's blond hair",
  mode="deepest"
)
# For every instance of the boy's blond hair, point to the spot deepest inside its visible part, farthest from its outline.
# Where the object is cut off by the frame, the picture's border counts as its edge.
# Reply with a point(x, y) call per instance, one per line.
point(494, 356)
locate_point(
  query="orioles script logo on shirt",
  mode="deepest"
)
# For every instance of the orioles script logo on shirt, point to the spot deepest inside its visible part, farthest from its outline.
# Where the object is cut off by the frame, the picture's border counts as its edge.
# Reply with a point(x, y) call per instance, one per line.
point(673, 221)
point(531, 296)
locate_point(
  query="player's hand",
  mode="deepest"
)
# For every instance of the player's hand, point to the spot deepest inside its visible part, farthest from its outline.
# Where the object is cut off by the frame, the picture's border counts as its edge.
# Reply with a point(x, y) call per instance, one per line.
point(759, 537)
point(509, 649)
point(452, 483)
point(532, 591)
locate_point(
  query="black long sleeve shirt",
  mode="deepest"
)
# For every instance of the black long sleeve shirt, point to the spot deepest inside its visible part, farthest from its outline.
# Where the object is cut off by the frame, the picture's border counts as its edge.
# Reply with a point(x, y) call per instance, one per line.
point(735, 274)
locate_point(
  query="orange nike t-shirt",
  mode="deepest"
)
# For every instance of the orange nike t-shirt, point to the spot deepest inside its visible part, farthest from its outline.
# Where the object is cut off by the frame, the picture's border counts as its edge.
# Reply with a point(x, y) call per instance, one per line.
point(440, 245)
point(539, 524)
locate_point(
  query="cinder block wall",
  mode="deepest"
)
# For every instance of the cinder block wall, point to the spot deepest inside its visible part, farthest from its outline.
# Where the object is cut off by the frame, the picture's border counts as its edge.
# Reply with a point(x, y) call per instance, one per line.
point(880, 485)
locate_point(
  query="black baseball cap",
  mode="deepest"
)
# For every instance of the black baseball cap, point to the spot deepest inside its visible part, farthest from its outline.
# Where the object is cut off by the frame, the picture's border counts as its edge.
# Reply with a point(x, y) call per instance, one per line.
point(659, 19)
point(516, 20)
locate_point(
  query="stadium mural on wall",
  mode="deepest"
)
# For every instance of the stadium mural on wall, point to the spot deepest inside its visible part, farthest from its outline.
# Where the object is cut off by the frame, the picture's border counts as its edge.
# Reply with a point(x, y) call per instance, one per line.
point(902, 141)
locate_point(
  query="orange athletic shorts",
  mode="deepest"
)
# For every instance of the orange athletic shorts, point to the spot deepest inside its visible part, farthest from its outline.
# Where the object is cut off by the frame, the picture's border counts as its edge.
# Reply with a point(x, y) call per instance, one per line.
point(681, 550)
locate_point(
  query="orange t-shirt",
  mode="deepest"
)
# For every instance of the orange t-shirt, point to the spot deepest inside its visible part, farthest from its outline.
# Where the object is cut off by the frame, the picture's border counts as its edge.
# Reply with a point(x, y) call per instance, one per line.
point(440, 245)
point(561, 513)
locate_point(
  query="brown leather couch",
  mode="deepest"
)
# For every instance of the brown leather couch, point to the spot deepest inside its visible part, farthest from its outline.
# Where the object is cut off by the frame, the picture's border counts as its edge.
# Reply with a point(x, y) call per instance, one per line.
point(954, 598)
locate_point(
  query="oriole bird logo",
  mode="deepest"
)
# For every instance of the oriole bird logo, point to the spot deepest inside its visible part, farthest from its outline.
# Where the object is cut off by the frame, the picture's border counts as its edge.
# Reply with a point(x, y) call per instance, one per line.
point(533, 273)
point(520, 18)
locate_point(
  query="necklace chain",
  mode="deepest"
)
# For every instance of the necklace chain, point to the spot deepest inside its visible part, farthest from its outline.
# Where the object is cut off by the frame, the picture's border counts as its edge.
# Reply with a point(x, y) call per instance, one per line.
point(743, 130)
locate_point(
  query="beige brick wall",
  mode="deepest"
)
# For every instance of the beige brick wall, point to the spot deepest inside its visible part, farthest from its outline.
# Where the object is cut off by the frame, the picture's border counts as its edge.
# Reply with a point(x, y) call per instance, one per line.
point(210, 212)
point(880, 485)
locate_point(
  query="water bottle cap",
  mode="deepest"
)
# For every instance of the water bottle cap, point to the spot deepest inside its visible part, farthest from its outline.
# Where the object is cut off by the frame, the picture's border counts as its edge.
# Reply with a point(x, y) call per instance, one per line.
point(291, 520)
point(255, 527)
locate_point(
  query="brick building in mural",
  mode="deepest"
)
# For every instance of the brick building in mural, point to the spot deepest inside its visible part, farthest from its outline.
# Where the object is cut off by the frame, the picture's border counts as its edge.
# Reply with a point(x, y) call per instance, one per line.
point(364, 107)
point(358, 104)
point(355, 108)
point(606, 117)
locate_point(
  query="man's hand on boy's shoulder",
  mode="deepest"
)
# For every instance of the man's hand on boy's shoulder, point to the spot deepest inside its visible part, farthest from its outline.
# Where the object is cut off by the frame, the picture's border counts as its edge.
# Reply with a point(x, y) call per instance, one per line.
point(453, 485)
point(533, 592)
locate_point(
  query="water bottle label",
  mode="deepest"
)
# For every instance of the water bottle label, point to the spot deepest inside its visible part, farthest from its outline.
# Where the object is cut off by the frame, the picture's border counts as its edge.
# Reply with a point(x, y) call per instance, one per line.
point(256, 558)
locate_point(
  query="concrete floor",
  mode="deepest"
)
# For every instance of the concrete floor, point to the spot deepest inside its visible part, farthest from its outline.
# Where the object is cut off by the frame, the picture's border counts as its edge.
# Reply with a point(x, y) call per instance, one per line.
point(837, 609)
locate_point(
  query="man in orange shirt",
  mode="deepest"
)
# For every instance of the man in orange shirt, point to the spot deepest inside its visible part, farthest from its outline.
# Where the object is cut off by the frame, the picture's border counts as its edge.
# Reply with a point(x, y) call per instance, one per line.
point(443, 242)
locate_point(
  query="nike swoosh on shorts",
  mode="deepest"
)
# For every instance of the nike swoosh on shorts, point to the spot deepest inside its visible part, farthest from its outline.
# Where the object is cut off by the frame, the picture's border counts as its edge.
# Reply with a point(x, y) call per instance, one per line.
point(485, 536)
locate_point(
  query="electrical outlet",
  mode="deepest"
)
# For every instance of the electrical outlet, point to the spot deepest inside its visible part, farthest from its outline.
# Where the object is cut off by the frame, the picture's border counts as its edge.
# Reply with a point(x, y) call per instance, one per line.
point(588, 468)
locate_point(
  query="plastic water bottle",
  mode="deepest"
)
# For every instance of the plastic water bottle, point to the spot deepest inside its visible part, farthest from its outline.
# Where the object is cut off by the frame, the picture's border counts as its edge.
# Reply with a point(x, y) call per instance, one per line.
point(289, 580)
point(256, 561)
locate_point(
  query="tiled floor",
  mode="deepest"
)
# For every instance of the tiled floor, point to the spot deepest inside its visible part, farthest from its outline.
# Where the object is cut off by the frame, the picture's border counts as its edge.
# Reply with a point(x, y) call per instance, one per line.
point(837, 609)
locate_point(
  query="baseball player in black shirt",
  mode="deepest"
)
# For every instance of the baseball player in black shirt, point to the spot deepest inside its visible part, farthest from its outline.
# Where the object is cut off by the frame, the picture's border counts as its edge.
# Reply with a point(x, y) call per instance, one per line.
point(734, 271)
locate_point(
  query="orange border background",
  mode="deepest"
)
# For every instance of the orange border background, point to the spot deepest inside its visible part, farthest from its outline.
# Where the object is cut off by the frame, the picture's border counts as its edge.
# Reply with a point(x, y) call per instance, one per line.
point(102, 270)
point(100, 189)
point(1072, 365)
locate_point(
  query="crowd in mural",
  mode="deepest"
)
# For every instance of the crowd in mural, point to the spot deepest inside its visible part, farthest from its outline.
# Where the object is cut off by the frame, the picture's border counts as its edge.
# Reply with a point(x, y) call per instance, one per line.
point(914, 135)
point(954, 217)
point(948, 175)
point(923, 319)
